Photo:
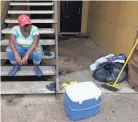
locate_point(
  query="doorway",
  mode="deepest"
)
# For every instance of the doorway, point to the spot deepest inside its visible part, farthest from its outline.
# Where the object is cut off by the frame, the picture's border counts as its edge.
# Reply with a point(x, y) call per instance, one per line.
point(70, 13)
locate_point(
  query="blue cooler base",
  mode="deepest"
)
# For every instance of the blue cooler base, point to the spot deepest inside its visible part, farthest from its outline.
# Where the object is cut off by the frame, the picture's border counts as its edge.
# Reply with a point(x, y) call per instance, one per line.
point(76, 111)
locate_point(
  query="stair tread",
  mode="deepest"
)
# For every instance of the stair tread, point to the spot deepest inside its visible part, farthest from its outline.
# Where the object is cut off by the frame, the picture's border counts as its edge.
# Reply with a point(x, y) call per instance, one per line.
point(4, 56)
point(32, 4)
point(30, 12)
point(41, 41)
point(28, 70)
point(41, 31)
point(25, 87)
point(32, 20)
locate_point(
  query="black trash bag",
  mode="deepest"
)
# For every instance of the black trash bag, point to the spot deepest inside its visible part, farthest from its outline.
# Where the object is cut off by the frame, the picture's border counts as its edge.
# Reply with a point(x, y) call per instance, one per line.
point(108, 72)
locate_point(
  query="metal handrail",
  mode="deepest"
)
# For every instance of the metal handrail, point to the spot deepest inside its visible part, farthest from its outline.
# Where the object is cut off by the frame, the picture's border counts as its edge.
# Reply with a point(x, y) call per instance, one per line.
point(56, 46)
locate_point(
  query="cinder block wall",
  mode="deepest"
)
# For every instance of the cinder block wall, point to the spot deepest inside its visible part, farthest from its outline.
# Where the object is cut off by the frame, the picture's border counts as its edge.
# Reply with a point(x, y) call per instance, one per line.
point(113, 25)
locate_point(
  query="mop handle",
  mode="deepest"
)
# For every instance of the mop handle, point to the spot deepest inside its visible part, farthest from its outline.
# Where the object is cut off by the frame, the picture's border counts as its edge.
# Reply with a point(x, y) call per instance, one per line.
point(129, 56)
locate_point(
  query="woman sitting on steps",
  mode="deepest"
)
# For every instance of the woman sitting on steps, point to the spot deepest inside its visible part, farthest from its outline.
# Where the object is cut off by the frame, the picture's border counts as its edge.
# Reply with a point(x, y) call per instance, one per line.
point(24, 43)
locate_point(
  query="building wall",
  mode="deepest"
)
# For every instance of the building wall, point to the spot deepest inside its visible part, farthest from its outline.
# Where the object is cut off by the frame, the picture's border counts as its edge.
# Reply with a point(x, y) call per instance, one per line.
point(2, 7)
point(84, 18)
point(113, 25)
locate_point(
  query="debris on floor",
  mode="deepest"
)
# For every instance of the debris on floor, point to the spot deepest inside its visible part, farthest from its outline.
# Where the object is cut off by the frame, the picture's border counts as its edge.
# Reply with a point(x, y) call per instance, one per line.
point(51, 86)
point(108, 72)
point(107, 68)
point(65, 84)
point(100, 61)
point(108, 58)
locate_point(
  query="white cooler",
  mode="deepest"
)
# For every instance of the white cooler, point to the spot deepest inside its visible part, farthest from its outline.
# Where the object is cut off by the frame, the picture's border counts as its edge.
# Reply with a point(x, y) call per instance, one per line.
point(82, 100)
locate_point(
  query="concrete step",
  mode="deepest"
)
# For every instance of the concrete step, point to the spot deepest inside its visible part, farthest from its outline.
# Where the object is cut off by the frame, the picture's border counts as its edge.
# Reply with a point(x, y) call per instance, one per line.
point(25, 87)
point(28, 70)
point(31, 4)
point(4, 56)
point(41, 31)
point(32, 20)
point(41, 41)
point(30, 12)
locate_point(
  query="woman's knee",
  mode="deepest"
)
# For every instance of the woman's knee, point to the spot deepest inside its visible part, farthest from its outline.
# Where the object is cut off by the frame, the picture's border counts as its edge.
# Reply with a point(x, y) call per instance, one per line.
point(38, 50)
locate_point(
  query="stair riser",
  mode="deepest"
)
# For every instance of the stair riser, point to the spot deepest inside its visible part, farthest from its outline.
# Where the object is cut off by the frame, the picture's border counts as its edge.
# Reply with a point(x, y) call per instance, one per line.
point(42, 42)
point(30, 4)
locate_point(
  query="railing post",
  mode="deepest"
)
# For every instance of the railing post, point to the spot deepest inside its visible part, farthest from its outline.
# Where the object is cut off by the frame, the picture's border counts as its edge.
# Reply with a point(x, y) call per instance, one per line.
point(56, 39)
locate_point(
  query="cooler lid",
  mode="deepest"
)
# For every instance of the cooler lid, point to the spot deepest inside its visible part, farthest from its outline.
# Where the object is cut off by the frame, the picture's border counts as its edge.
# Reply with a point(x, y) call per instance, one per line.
point(82, 91)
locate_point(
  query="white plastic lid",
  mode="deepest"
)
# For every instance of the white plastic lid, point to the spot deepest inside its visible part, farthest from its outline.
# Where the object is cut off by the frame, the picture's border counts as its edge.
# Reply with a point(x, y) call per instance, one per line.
point(82, 91)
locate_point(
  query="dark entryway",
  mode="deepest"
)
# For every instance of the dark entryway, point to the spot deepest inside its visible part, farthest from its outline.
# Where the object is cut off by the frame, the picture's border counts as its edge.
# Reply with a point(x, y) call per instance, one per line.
point(70, 16)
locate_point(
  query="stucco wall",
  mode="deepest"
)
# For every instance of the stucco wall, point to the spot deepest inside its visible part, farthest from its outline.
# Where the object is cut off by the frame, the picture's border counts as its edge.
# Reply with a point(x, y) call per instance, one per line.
point(84, 18)
point(2, 7)
point(113, 25)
